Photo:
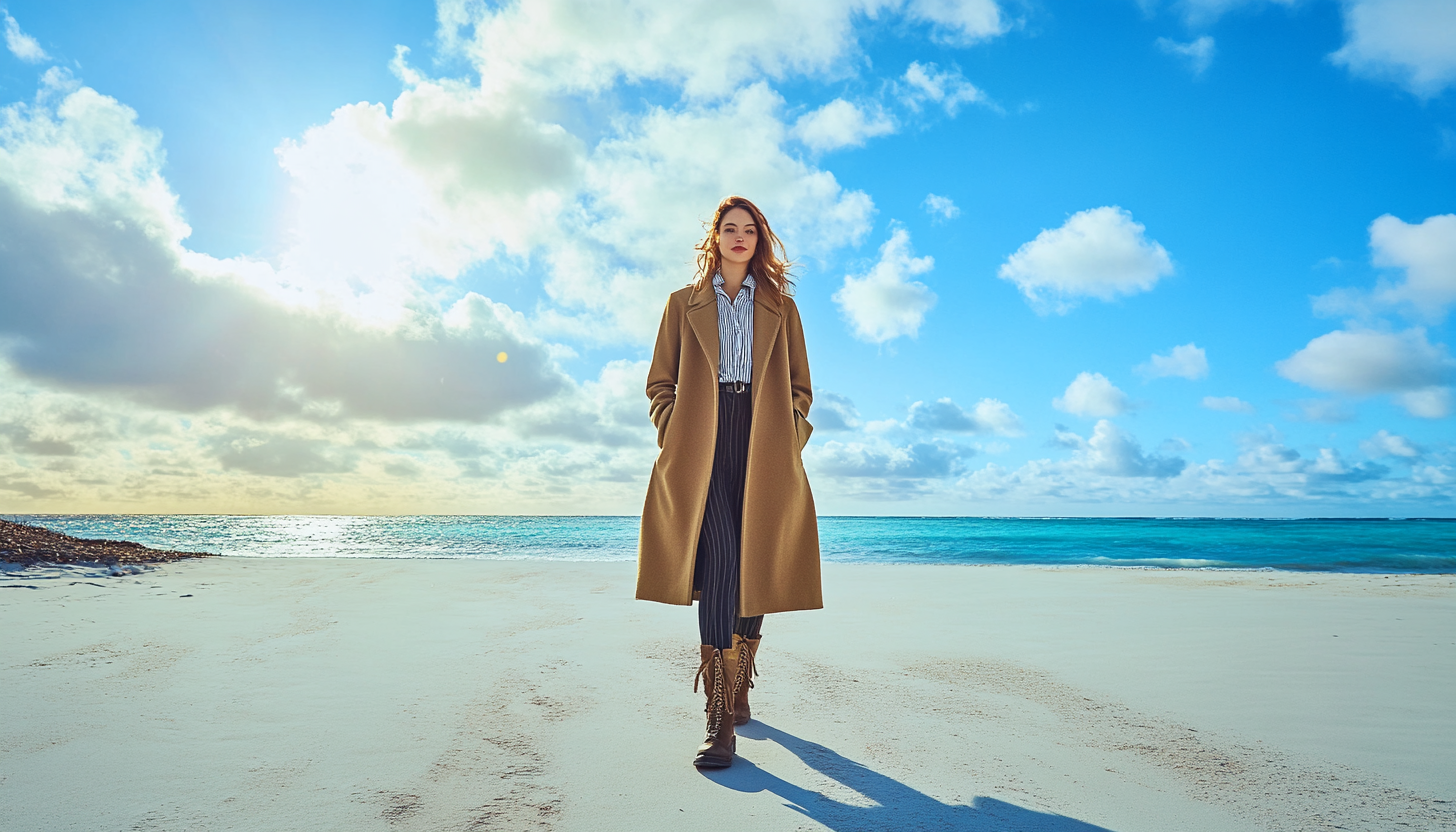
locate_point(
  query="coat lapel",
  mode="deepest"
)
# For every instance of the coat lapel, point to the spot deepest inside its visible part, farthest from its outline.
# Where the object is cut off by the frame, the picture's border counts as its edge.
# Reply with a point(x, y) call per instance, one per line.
point(703, 318)
point(766, 322)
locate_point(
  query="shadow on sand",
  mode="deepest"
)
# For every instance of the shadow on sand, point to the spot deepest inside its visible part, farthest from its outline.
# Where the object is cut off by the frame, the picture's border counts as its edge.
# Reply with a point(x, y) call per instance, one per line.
point(897, 805)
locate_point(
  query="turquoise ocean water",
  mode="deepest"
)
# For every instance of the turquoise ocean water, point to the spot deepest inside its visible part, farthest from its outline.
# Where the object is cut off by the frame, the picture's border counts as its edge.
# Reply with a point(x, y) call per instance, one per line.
point(1323, 545)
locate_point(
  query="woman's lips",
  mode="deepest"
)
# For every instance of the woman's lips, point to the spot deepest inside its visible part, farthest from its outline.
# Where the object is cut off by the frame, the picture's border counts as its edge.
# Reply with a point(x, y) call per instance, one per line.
point(740, 248)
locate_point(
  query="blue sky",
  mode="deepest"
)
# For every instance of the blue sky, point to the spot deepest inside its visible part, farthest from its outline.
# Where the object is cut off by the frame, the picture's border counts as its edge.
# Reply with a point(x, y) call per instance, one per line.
point(1055, 258)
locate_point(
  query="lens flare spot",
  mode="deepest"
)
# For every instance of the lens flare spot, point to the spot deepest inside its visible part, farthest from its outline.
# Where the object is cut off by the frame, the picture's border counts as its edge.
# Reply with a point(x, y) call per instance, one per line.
point(501, 357)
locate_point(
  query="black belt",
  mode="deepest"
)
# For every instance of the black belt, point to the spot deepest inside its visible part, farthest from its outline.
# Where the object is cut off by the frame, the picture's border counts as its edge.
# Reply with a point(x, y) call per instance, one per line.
point(733, 386)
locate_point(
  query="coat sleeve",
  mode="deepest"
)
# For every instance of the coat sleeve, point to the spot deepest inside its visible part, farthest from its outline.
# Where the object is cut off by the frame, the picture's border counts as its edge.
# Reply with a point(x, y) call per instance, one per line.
point(662, 376)
point(799, 385)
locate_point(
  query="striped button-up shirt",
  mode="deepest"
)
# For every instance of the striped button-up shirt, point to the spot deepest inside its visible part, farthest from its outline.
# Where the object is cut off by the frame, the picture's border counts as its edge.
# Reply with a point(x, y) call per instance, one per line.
point(735, 331)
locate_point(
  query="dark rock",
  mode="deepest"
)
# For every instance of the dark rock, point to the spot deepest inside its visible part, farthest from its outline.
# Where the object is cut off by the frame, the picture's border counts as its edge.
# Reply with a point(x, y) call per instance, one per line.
point(20, 543)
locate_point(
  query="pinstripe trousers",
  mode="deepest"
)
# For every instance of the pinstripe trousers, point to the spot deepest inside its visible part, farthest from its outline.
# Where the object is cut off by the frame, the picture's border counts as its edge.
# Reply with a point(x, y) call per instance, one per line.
point(716, 570)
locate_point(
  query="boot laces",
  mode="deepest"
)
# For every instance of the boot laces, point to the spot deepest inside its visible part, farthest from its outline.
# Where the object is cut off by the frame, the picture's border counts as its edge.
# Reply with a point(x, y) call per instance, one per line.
point(717, 683)
point(747, 666)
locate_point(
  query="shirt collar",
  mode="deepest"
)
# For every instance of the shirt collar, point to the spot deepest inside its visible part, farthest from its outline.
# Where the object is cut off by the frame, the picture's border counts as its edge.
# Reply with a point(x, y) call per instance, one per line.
point(748, 281)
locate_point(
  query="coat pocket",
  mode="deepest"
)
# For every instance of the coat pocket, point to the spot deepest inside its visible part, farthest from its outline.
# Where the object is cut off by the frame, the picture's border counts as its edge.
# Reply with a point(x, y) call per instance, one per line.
point(661, 419)
point(802, 429)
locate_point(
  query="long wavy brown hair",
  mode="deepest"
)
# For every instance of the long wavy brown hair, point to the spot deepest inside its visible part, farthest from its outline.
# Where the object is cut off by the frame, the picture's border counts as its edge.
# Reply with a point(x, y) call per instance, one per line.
point(770, 264)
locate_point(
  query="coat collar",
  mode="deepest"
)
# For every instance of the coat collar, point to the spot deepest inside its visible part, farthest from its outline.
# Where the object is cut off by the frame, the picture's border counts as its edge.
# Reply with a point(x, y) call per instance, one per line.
point(701, 294)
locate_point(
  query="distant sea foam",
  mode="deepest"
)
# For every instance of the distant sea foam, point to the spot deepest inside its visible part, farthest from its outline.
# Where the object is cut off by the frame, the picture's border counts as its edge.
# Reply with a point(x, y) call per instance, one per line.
point(1323, 545)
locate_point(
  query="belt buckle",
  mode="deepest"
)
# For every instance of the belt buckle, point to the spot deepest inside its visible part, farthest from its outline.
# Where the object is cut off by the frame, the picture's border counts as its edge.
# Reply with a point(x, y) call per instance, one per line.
point(737, 386)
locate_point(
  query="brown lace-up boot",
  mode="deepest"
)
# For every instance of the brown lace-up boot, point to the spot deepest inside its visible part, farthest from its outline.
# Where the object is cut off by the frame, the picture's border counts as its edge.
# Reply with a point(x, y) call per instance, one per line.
point(747, 649)
point(717, 672)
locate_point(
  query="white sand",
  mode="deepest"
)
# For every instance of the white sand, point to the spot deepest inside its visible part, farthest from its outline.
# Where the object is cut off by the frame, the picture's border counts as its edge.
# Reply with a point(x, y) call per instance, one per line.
point(443, 695)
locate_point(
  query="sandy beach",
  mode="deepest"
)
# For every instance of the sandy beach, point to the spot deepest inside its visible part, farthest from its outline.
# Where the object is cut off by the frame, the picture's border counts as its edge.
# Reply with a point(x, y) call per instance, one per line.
point(235, 693)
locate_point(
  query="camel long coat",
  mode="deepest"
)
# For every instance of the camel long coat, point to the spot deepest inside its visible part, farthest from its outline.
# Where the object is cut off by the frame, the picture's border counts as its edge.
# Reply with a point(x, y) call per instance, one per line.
point(780, 544)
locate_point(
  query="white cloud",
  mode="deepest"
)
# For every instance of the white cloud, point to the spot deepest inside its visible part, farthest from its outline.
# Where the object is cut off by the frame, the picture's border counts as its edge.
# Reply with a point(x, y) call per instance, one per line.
point(834, 412)
point(1065, 437)
point(1365, 362)
point(926, 83)
point(960, 22)
point(1227, 404)
point(1427, 253)
point(87, 154)
point(1411, 42)
point(446, 179)
point(878, 459)
point(1427, 403)
point(941, 208)
point(988, 416)
point(1384, 443)
point(841, 124)
point(709, 49)
point(1091, 394)
point(606, 413)
point(1100, 252)
point(1427, 288)
point(21, 45)
point(997, 417)
point(1287, 470)
point(885, 303)
point(1198, 53)
point(1186, 361)
point(1111, 452)
point(1114, 453)
point(1273, 457)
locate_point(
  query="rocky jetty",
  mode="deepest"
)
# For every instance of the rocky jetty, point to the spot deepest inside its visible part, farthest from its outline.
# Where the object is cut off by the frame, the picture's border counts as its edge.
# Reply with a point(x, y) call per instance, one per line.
point(20, 543)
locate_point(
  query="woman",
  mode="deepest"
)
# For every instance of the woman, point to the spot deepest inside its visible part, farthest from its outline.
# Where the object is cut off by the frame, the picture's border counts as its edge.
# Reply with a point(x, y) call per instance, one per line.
point(729, 519)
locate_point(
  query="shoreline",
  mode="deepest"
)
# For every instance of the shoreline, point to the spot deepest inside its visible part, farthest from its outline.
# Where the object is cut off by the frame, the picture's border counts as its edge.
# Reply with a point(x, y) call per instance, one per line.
point(436, 693)
point(1253, 570)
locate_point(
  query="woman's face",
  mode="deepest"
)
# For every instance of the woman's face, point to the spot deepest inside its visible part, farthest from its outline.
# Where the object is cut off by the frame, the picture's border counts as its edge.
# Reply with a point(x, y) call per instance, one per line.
point(737, 236)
